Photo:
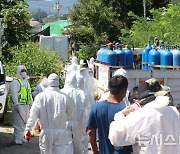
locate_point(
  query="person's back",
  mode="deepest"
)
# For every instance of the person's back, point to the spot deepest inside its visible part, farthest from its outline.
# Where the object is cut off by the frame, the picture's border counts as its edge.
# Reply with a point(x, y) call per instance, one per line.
point(154, 127)
point(102, 114)
point(78, 98)
point(54, 110)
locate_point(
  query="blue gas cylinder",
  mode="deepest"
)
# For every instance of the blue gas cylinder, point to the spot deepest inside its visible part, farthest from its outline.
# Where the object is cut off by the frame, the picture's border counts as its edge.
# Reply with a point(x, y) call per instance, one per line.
point(100, 53)
point(176, 56)
point(166, 58)
point(129, 57)
point(104, 53)
point(121, 56)
point(153, 58)
point(145, 56)
point(110, 57)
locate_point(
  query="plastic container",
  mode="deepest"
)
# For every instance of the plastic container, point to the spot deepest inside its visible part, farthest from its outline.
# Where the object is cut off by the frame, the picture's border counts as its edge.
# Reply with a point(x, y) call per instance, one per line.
point(129, 57)
point(121, 56)
point(145, 56)
point(153, 58)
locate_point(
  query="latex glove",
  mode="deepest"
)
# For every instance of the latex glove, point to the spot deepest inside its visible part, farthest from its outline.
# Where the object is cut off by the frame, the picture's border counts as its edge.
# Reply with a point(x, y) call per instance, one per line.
point(28, 135)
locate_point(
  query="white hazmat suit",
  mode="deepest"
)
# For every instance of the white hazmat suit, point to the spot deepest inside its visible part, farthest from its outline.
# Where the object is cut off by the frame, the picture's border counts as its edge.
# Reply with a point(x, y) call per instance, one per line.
point(90, 84)
point(78, 97)
point(19, 117)
point(91, 66)
point(53, 109)
point(85, 112)
point(73, 67)
point(153, 129)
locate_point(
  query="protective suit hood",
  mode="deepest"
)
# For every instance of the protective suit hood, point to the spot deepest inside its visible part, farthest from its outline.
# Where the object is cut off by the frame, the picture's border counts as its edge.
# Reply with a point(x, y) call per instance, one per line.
point(53, 80)
point(44, 82)
point(91, 61)
point(80, 82)
point(74, 60)
point(19, 69)
point(71, 81)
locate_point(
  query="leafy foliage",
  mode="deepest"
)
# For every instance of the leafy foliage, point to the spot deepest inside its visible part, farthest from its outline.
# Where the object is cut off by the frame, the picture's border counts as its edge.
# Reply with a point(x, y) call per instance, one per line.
point(165, 25)
point(37, 61)
point(95, 21)
point(15, 23)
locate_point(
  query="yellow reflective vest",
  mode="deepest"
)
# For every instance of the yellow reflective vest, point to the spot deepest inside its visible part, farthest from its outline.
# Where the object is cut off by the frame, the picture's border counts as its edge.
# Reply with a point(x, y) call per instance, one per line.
point(24, 95)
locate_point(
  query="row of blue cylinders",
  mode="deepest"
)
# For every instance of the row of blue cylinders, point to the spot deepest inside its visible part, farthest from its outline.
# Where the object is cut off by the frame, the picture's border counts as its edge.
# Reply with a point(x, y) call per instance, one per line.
point(163, 56)
point(115, 57)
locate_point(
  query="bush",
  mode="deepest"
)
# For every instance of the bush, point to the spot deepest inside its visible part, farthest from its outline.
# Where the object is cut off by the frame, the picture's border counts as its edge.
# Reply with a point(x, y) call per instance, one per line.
point(37, 61)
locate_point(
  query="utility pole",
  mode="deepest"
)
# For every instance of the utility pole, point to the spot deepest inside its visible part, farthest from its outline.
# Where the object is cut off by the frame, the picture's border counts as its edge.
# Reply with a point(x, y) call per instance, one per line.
point(144, 5)
point(57, 7)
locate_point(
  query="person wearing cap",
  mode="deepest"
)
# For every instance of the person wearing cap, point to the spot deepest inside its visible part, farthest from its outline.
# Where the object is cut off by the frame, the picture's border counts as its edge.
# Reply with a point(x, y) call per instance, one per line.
point(21, 99)
point(153, 128)
point(125, 101)
point(54, 109)
point(102, 114)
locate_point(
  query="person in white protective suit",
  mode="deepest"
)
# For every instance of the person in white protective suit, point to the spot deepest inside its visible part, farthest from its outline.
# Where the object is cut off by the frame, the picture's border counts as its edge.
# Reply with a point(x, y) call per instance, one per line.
point(73, 67)
point(153, 128)
point(85, 112)
point(78, 97)
point(54, 109)
point(125, 101)
point(21, 99)
point(91, 66)
point(90, 84)
point(40, 87)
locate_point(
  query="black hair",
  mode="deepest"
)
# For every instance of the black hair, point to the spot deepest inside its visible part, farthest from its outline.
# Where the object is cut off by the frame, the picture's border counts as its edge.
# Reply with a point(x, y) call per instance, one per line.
point(171, 101)
point(133, 94)
point(117, 83)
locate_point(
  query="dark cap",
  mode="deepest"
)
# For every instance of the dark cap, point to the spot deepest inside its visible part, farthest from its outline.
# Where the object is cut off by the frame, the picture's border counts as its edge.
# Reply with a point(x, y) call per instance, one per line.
point(152, 88)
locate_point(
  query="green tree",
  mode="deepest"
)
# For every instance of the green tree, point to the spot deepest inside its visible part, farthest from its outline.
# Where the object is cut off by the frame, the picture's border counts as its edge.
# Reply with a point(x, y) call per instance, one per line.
point(38, 61)
point(165, 25)
point(94, 21)
point(15, 22)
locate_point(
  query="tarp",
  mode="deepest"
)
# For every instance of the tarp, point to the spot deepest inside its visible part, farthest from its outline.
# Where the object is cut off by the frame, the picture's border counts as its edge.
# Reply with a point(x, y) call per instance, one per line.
point(56, 27)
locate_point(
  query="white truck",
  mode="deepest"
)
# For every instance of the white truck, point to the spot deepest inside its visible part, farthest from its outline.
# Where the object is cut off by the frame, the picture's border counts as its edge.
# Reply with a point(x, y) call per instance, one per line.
point(171, 78)
point(3, 91)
